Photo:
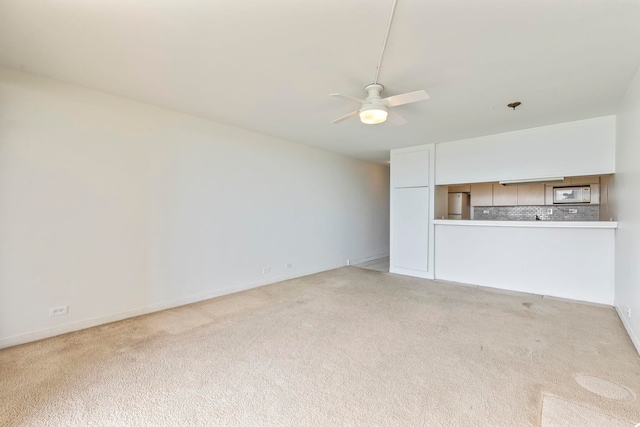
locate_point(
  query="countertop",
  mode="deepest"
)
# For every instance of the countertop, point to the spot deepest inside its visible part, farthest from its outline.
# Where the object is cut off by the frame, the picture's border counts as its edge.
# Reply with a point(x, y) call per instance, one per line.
point(539, 224)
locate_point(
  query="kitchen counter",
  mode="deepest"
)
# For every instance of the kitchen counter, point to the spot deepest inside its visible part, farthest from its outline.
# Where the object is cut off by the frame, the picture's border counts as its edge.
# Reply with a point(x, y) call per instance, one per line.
point(537, 224)
point(565, 259)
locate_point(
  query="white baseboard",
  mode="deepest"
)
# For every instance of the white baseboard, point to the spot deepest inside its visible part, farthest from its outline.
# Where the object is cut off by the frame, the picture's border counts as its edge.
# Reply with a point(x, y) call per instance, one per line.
point(114, 317)
point(413, 273)
point(627, 326)
point(355, 261)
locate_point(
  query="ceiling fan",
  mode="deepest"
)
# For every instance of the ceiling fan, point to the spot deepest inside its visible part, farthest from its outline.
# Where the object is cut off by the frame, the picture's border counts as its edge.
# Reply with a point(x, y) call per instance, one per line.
point(375, 109)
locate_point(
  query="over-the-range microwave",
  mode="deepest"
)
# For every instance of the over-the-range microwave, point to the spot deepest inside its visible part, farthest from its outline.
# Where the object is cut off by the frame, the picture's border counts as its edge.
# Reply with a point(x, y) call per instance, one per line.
point(572, 194)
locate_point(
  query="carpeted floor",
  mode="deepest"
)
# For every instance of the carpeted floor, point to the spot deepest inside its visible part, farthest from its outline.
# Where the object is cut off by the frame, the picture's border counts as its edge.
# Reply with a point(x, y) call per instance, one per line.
point(347, 347)
point(380, 264)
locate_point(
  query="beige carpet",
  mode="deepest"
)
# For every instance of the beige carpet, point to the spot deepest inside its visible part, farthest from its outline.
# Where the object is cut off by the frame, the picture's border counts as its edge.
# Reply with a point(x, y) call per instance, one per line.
point(380, 264)
point(348, 347)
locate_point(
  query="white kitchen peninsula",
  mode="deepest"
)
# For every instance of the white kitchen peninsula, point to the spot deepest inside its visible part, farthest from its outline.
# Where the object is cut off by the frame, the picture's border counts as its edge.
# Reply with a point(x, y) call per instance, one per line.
point(573, 260)
point(564, 259)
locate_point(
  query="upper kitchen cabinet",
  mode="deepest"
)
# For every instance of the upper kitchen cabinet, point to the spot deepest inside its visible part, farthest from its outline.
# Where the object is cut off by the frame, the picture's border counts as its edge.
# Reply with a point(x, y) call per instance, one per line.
point(584, 180)
point(496, 194)
point(410, 169)
point(482, 194)
point(459, 188)
point(531, 194)
point(505, 195)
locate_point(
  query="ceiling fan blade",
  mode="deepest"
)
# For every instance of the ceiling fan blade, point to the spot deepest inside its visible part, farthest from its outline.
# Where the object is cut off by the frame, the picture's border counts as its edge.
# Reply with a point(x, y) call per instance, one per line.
point(396, 118)
point(349, 98)
point(348, 116)
point(405, 98)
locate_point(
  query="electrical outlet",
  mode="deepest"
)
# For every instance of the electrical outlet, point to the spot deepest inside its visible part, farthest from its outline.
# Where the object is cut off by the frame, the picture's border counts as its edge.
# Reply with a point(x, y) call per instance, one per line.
point(573, 210)
point(266, 270)
point(549, 211)
point(486, 211)
point(628, 311)
point(288, 265)
point(58, 311)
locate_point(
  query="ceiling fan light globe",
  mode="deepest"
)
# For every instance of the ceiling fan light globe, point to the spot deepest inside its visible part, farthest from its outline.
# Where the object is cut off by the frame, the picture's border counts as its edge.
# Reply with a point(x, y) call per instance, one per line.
point(373, 116)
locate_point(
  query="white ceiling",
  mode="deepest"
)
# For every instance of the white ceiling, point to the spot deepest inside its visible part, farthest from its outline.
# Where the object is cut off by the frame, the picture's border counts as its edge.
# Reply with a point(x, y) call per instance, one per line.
point(268, 66)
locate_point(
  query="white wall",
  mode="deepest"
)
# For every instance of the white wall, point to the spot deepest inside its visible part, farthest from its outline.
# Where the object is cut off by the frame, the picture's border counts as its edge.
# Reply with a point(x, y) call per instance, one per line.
point(118, 208)
point(585, 147)
point(627, 180)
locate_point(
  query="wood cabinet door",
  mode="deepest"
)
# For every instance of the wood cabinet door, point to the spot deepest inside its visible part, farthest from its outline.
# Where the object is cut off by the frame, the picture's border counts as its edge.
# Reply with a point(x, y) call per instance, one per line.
point(531, 194)
point(459, 188)
point(482, 194)
point(584, 180)
point(504, 195)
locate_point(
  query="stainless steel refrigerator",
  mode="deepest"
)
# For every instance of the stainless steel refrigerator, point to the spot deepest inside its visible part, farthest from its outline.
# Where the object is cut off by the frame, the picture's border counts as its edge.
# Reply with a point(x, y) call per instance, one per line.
point(459, 206)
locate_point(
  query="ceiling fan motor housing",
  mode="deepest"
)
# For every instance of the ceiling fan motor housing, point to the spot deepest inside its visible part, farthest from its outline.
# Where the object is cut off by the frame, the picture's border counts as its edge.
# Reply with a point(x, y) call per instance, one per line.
point(374, 111)
point(374, 90)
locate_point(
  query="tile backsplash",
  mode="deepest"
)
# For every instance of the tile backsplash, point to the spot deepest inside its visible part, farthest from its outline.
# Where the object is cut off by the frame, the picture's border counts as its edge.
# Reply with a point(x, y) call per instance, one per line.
point(528, 213)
